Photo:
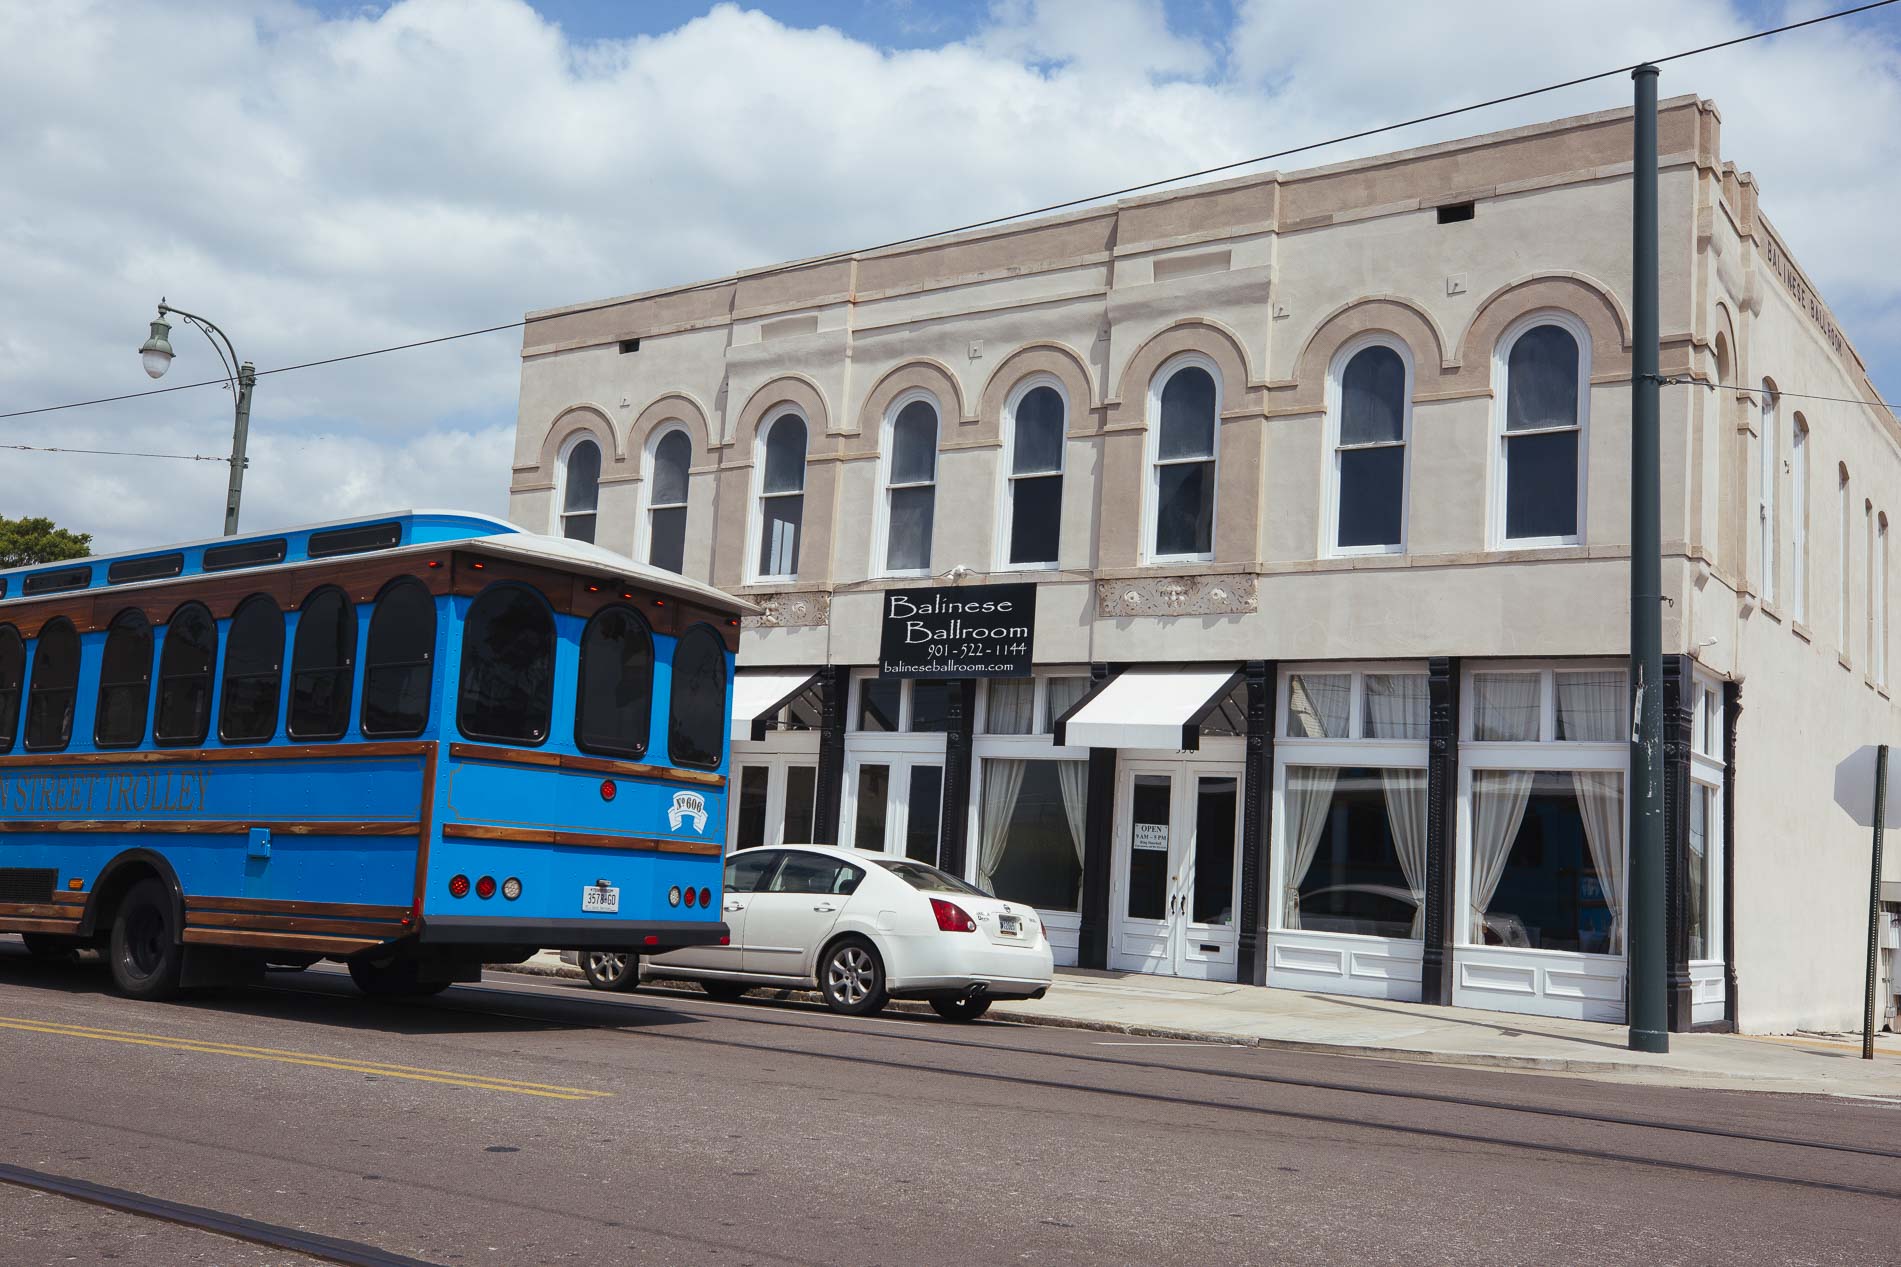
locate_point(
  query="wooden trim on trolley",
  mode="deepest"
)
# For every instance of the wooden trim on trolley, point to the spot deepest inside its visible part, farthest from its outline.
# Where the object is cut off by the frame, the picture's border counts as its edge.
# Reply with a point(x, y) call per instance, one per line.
point(209, 827)
point(593, 765)
point(244, 920)
point(272, 906)
point(544, 836)
point(37, 910)
point(165, 756)
point(280, 941)
point(427, 815)
point(22, 924)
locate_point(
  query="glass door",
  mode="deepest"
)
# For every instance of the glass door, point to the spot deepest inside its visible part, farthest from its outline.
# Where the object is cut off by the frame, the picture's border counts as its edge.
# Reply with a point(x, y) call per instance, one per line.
point(775, 804)
point(1177, 853)
point(896, 804)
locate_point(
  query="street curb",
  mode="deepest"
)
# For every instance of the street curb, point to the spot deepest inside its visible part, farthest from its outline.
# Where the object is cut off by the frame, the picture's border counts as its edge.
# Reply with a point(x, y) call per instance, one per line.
point(1408, 1055)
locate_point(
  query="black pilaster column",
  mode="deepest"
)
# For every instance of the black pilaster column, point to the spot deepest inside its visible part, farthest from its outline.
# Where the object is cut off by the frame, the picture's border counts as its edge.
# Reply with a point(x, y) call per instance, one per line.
point(1442, 810)
point(1099, 839)
point(1732, 717)
point(1679, 701)
point(834, 691)
point(1257, 812)
point(953, 840)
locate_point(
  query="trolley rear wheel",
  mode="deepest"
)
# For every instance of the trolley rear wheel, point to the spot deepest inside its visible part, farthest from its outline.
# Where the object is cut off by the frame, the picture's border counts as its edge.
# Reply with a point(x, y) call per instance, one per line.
point(145, 954)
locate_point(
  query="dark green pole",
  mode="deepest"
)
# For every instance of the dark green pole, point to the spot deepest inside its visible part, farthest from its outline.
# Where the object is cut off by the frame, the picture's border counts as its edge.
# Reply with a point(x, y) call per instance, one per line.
point(1644, 930)
point(1874, 906)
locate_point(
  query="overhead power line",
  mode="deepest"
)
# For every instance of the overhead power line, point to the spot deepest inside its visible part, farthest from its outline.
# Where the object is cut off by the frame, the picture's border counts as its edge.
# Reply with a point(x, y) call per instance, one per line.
point(1046, 209)
point(1674, 380)
point(116, 453)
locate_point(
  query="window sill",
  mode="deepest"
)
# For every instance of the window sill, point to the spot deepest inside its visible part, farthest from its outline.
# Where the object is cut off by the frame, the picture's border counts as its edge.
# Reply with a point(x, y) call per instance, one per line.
point(1801, 631)
point(1845, 662)
point(1770, 610)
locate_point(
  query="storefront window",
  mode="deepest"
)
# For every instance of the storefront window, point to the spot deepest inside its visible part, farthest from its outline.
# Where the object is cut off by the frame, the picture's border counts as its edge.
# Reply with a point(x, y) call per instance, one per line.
point(1010, 706)
point(1357, 842)
point(1063, 694)
point(751, 832)
point(923, 811)
point(878, 704)
point(1030, 840)
point(801, 803)
point(1697, 883)
point(1506, 707)
point(931, 707)
point(874, 790)
point(1548, 859)
point(1319, 705)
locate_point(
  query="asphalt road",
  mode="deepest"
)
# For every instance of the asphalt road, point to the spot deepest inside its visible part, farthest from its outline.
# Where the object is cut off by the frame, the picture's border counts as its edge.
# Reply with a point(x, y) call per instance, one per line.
point(526, 1121)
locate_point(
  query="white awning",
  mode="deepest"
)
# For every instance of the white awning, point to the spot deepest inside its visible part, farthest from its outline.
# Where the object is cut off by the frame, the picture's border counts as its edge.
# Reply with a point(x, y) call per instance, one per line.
point(759, 692)
point(1148, 708)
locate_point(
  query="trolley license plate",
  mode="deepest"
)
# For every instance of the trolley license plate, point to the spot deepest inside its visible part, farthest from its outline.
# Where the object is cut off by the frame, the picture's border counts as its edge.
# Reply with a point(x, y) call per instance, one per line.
point(603, 900)
point(1009, 925)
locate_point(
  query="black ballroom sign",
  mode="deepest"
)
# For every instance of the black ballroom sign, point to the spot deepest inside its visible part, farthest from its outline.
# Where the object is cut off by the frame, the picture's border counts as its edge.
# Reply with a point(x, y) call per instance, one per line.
point(960, 631)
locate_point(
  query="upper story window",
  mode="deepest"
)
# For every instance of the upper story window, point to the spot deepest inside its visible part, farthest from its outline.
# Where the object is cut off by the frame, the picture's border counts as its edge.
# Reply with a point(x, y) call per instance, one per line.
point(696, 708)
point(54, 688)
point(399, 661)
point(1372, 405)
point(1768, 460)
point(1181, 500)
point(253, 672)
point(1035, 422)
point(580, 488)
point(187, 661)
point(12, 679)
point(613, 712)
point(1879, 599)
point(910, 486)
point(322, 664)
point(1799, 518)
point(125, 682)
point(1845, 555)
point(507, 690)
point(666, 500)
point(781, 497)
point(1541, 446)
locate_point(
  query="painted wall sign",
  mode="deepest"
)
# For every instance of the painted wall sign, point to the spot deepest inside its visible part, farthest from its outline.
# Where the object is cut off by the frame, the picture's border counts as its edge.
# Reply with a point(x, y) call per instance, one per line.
point(1151, 836)
point(103, 793)
point(965, 631)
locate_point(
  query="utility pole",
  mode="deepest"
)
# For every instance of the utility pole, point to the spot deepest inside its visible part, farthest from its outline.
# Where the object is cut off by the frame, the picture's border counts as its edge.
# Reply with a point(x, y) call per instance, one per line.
point(1644, 927)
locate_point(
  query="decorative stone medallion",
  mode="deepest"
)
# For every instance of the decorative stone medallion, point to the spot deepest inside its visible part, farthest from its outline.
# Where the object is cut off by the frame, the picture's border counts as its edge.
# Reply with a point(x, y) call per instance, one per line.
point(1179, 596)
point(790, 611)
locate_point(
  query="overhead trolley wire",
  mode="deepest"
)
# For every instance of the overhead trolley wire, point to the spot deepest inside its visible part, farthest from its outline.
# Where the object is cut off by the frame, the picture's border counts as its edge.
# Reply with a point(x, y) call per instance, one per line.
point(992, 222)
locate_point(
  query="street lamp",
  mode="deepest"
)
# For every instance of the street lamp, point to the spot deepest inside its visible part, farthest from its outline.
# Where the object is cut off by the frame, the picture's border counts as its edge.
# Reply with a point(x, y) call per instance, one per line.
point(156, 355)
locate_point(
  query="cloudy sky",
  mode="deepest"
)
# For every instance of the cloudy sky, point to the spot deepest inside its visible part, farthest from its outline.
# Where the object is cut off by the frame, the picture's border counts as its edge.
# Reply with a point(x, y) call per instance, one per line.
point(324, 178)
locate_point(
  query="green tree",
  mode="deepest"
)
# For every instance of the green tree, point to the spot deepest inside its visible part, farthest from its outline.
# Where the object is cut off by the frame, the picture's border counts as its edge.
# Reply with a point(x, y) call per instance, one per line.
point(36, 540)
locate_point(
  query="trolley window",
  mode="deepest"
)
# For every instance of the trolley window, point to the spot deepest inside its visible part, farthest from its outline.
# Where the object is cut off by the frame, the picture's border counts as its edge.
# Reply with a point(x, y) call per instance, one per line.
point(324, 545)
point(253, 672)
point(56, 582)
point(125, 682)
point(507, 690)
point(153, 567)
point(614, 709)
point(55, 685)
point(696, 723)
point(322, 660)
point(186, 661)
point(244, 554)
point(399, 661)
point(12, 678)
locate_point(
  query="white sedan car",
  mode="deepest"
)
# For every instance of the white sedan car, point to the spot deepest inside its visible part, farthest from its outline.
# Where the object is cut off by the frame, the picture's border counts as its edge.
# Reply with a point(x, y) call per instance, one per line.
point(863, 928)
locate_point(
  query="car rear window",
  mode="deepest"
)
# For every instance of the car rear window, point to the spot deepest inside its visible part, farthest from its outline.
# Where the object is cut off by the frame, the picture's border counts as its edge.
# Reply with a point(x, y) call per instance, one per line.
point(928, 878)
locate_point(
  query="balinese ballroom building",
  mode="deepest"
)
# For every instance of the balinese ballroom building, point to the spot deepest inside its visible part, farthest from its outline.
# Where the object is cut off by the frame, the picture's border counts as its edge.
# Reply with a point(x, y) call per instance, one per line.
point(1240, 574)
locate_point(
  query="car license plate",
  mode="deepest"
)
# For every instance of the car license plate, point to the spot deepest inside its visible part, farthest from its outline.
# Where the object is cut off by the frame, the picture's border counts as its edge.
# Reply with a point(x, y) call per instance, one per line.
point(1009, 925)
point(604, 900)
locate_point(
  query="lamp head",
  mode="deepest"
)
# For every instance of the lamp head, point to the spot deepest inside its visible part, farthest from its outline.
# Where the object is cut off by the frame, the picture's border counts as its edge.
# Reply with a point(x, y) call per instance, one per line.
point(156, 352)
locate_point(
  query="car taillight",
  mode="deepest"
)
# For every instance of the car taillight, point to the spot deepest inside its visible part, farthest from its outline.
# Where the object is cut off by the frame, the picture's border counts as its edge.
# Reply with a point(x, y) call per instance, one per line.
point(485, 887)
point(458, 886)
point(952, 918)
point(706, 897)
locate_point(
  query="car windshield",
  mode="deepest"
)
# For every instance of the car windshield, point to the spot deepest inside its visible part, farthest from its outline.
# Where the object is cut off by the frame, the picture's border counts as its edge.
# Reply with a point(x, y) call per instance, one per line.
point(927, 878)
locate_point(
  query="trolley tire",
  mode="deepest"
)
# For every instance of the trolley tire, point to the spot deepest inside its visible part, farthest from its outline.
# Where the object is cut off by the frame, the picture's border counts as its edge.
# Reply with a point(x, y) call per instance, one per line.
point(851, 978)
point(960, 1007)
point(611, 969)
point(144, 954)
point(392, 979)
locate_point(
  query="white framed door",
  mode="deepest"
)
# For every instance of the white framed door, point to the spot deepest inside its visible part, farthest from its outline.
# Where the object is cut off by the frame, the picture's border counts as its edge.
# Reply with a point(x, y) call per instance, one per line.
point(894, 803)
point(1177, 868)
point(775, 798)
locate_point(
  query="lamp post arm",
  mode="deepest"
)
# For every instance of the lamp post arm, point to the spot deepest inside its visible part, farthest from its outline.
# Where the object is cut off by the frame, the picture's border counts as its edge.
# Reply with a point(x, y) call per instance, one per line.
point(244, 377)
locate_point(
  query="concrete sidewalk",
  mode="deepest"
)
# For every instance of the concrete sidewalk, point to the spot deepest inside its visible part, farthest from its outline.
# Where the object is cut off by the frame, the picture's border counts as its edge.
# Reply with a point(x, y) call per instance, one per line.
point(1216, 1011)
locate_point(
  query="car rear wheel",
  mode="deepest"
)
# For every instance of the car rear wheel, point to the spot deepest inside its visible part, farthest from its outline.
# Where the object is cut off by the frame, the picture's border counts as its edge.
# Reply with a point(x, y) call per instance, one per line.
point(725, 991)
point(852, 978)
point(611, 969)
point(961, 1007)
point(145, 956)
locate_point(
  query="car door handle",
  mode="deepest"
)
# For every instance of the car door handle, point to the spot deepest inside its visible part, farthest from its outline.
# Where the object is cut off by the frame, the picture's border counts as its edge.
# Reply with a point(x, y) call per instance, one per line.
point(825, 906)
point(734, 906)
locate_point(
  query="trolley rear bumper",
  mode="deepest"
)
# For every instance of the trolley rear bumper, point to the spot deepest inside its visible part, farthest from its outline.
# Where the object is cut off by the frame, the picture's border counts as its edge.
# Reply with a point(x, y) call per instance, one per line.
point(649, 937)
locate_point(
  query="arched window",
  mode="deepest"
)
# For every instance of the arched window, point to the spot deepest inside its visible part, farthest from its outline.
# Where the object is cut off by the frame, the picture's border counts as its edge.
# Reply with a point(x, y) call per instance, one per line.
point(55, 687)
point(507, 691)
point(187, 660)
point(910, 486)
point(12, 679)
point(125, 682)
point(1542, 442)
point(666, 501)
point(1372, 405)
point(580, 489)
point(614, 710)
point(1799, 519)
point(1036, 427)
point(1182, 464)
point(1768, 459)
point(781, 497)
point(253, 672)
point(399, 657)
point(696, 705)
point(322, 666)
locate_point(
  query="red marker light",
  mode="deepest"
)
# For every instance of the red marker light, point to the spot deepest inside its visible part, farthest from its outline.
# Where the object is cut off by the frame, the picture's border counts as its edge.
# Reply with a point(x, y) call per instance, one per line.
point(725, 940)
point(478, 565)
point(485, 887)
point(659, 602)
point(593, 589)
point(651, 940)
point(706, 897)
point(458, 886)
point(434, 563)
point(692, 897)
point(608, 790)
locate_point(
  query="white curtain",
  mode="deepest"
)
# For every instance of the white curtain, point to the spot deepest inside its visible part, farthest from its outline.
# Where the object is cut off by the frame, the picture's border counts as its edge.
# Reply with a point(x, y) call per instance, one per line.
point(1601, 802)
point(1499, 798)
point(1505, 706)
point(1003, 779)
point(1318, 703)
point(1406, 814)
point(1591, 707)
point(1396, 706)
point(1063, 692)
point(1010, 706)
point(1073, 776)
point(1309, 801)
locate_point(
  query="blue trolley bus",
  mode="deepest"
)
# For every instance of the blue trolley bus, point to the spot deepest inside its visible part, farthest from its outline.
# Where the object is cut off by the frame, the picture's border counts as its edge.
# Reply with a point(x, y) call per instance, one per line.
point(413, 744)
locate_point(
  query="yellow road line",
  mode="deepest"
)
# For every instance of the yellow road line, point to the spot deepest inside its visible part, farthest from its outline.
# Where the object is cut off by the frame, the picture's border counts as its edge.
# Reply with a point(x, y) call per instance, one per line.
point(479, 1082)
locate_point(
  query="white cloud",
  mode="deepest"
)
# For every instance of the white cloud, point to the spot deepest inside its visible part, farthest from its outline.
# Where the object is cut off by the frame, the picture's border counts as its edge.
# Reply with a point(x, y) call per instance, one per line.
point(324, 185)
